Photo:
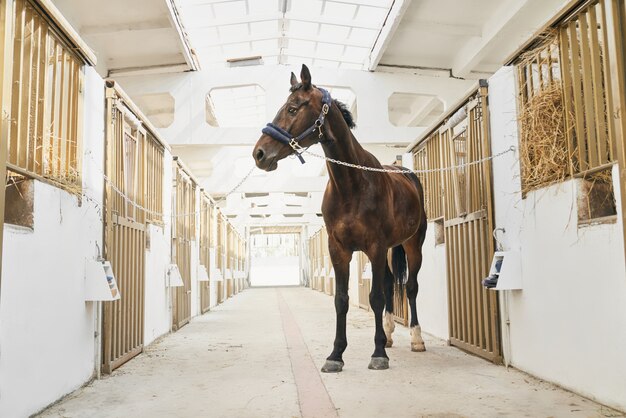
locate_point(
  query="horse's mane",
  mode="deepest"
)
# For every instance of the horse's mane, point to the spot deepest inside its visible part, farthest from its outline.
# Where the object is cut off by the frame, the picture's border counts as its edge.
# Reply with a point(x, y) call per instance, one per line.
point(345, 112)
point(347, 115)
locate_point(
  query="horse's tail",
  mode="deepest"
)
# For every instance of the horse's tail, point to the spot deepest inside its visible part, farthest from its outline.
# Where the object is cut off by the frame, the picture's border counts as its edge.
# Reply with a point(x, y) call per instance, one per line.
point(398, 264)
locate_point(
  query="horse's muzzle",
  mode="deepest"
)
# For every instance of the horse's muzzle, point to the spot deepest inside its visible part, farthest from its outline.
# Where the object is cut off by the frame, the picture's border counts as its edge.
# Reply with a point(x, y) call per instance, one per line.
point(261, 159)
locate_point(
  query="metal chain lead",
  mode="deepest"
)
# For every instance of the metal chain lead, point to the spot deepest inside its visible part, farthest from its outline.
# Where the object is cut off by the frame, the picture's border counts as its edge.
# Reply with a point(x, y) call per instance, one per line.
point(234, 189)
point(298, 148)
point(152, 212)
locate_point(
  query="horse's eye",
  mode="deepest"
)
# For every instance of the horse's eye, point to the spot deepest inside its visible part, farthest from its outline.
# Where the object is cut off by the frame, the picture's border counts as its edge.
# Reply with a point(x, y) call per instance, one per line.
point(292, 110)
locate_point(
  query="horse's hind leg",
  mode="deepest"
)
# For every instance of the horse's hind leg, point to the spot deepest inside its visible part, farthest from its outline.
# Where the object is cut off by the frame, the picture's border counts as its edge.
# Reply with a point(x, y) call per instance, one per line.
point(341, 263)
point(388, 323)
point(413, 249)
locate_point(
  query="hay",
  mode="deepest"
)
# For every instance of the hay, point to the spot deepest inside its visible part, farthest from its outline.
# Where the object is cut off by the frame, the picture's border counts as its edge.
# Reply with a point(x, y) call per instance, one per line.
point(544, 152)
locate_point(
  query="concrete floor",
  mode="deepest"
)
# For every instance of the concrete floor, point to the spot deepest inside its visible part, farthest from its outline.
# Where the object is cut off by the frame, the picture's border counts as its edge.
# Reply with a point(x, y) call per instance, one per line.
point(258, 355)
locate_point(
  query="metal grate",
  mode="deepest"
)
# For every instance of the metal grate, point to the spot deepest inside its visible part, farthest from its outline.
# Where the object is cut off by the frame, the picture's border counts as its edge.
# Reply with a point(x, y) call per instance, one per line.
point(127, 169)
point(206, 230)
point(184, 232)
point(46, 104)
point(463, 198)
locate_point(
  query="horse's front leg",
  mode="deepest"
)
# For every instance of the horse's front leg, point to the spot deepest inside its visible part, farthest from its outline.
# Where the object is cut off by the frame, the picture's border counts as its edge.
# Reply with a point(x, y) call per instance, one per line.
point(379, 360)
point(341, 263)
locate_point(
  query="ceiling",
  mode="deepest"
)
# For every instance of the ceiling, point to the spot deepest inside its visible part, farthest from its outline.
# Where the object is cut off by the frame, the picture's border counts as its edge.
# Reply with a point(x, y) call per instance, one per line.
point(131, 35)
point(397, 63)
point(320, 33)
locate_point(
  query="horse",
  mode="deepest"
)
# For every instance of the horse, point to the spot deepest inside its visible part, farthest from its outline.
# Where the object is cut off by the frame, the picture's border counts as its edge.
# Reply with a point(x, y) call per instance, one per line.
point(363, 210)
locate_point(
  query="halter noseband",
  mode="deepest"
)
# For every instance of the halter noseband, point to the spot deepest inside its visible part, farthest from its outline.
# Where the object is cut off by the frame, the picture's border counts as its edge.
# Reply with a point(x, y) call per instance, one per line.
point(281, 135)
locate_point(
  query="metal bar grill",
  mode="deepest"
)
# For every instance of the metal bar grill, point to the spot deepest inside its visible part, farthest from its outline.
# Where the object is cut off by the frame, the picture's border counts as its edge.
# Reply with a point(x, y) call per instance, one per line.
point(429, 155)
point(573, 56)
point(184, 232)
point(46, 103)
point(206, 228)
point(220, 256)
point(125, 230)
point(587, 80)
point(463, 198)
point(154, 179)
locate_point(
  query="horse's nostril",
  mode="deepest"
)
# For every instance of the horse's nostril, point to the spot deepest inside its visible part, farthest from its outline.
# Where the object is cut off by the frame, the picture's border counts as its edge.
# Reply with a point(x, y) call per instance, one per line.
point(259, 154)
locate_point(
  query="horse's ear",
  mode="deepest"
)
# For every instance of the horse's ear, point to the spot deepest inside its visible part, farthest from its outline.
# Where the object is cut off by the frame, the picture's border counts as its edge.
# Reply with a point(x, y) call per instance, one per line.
point(293, 80)
point(305, 76)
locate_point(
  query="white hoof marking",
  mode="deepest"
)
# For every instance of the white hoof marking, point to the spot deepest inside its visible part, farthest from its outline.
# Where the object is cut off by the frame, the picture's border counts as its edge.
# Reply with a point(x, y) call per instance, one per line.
point(389, 325)
point(417, 343)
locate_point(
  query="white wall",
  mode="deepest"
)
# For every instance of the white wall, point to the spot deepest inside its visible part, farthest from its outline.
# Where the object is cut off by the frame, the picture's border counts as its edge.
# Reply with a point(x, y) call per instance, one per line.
point(568, 324)
point(432, 298)
point(47, 329)
point(275, 271)
point(157, 303)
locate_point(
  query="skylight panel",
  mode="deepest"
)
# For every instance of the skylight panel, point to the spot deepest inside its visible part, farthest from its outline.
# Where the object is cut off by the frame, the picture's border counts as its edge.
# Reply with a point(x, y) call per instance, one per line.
point(303, 30)
point(343, 10)
point(328, 33)
point(229, 32)
point(230, 9)
point(350, 66)
point(334, 32)
point(296, 60)
point(261, 6)
point(322, 63)
point(300, 47)
point(237, 50)
point(265, 28)
point(367, 36)
point(265, 47)
point(355, 54)
point(330, 51)
point(209, 34)
point(370, 16)
point(305, 7)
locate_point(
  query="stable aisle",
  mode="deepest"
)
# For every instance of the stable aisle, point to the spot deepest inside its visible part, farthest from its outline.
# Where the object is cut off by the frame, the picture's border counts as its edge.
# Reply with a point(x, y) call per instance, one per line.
point(259, 354)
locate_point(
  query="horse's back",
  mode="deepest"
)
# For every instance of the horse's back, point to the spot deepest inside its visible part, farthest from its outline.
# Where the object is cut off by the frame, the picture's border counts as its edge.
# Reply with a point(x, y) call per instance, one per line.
point(409, 175)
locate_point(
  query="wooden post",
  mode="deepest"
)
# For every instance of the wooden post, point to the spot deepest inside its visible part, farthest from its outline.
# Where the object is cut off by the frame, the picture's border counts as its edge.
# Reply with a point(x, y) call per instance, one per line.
point(6, 53)
point(616, 25)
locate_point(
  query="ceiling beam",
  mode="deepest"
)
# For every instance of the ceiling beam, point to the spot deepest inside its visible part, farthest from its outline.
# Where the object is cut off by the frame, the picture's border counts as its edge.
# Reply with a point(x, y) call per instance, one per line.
point(297, 17)
point(441, 28)
point(146, 25)
point(398, 8)
point(245, 38)
point(174, 15)
point(500, 21)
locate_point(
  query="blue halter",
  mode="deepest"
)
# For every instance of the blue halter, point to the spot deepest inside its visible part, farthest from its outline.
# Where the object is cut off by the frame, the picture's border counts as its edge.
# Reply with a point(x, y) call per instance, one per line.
point(281, 135)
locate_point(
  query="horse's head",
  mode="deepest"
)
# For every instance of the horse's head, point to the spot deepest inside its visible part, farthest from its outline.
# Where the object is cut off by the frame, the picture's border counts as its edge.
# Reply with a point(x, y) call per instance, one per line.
point(299, 113)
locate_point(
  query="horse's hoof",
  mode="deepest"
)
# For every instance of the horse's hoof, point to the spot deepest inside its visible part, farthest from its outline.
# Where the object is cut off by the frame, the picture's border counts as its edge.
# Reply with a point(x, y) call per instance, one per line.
point(379, 363)
point(417, 347)
point(332, 366)
point(389, 343)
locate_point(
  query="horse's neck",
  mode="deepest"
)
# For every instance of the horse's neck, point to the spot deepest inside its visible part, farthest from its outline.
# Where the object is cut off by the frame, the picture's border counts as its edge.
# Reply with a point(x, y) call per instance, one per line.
point(344, 147)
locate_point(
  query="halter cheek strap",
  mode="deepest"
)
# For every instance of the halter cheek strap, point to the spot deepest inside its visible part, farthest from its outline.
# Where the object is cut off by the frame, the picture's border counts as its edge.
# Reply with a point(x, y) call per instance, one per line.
point(281, 135)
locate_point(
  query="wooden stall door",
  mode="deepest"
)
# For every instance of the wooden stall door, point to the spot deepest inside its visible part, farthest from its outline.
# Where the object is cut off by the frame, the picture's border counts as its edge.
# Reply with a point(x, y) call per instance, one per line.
point(123, 319)
point(183, 234)
point(473, 310)
point(206, 216)
point(124, 236)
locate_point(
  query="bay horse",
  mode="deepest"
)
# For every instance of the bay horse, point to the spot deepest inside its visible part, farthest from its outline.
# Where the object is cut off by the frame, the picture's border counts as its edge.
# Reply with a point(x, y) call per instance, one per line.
point(363, 210)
